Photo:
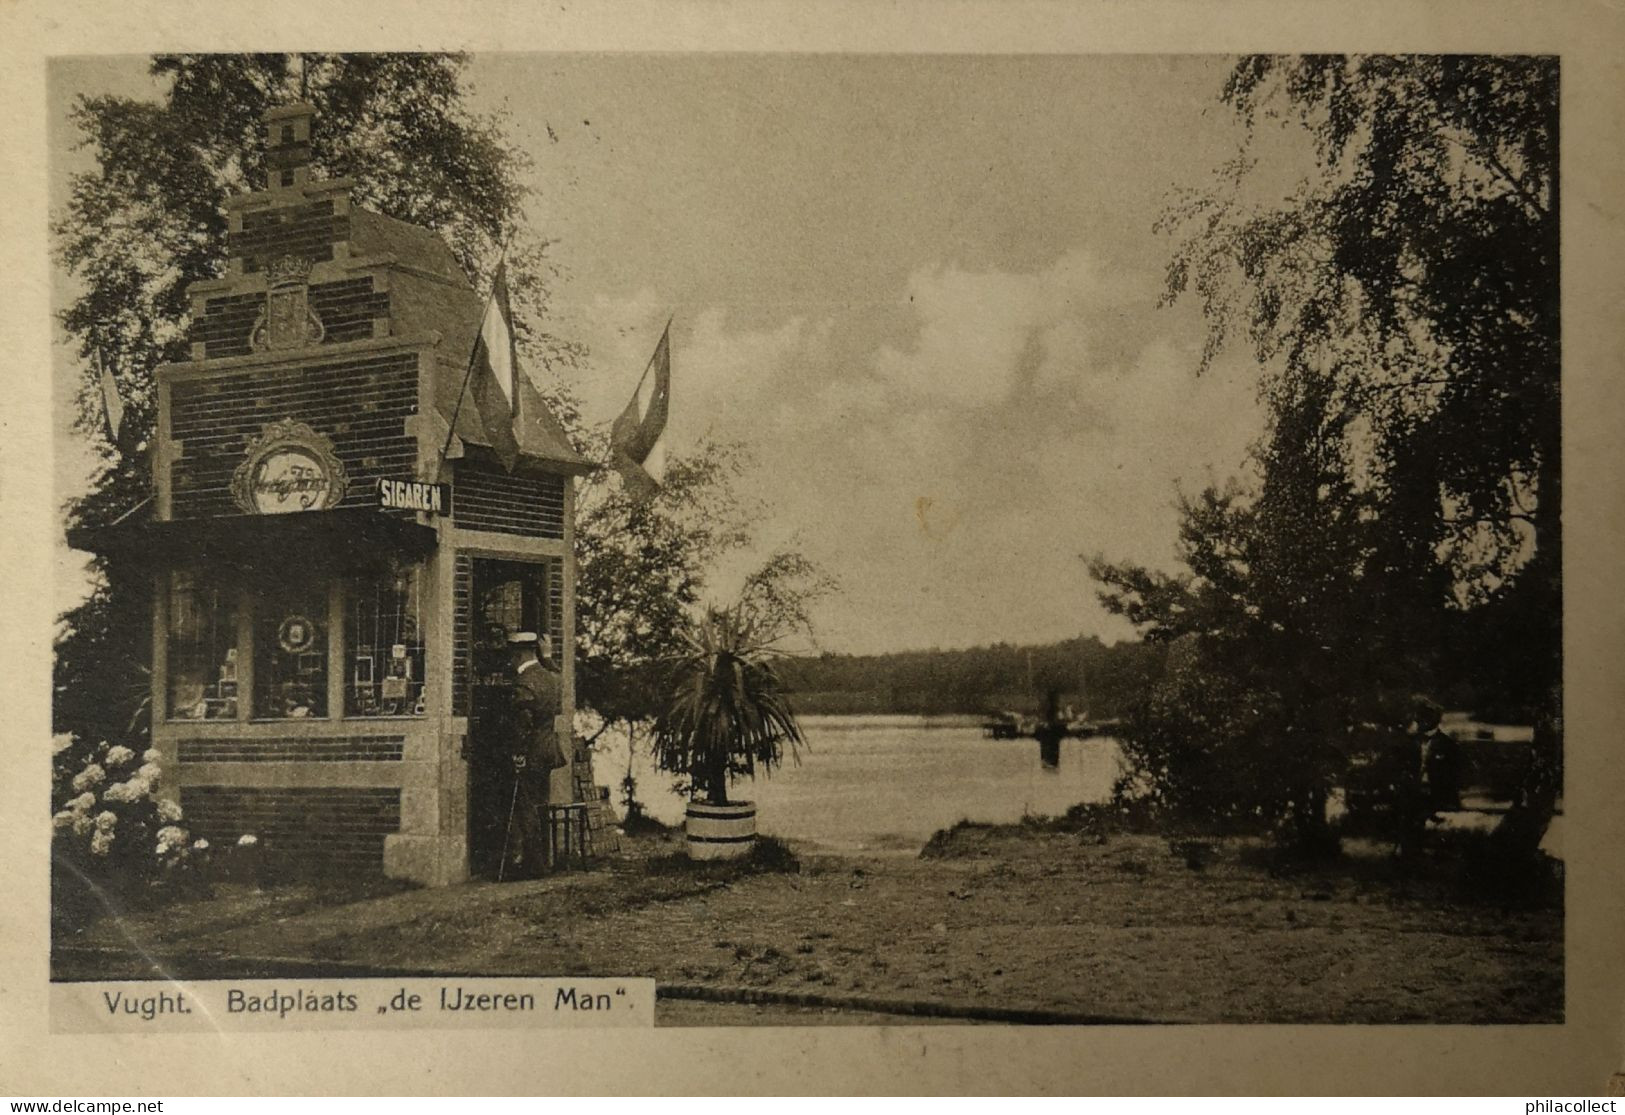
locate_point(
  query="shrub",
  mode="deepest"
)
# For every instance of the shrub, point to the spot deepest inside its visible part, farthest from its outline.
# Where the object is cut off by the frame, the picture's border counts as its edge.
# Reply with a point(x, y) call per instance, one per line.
point(114, 841)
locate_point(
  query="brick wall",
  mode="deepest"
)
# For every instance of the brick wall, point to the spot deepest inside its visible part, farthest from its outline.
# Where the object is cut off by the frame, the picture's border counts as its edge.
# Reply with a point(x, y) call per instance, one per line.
point(462, 594)
point(379, 749)
point(347, 310)
point(487, 498)
point(339, 828)
point(226, 323)
point(361, 404)
point(555, 608)
point(308, 230)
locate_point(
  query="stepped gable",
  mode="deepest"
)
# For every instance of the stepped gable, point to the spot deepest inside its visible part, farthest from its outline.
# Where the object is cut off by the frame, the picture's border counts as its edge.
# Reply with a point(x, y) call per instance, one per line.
point(308, 268)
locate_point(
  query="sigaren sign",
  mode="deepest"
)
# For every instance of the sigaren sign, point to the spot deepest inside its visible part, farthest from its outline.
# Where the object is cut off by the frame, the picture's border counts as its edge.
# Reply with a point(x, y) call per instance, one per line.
point(414, 495)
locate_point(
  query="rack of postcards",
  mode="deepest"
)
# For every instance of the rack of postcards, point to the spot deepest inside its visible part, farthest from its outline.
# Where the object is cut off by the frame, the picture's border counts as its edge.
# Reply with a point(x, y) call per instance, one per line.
point(385, 644)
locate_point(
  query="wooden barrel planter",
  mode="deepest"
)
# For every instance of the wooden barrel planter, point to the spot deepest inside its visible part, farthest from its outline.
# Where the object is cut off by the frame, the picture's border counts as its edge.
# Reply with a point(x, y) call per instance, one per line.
point(720, 831)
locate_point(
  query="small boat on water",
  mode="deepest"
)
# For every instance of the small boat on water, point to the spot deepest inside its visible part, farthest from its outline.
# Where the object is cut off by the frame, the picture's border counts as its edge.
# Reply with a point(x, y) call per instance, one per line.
point(1008, 725)
point(1015, 725)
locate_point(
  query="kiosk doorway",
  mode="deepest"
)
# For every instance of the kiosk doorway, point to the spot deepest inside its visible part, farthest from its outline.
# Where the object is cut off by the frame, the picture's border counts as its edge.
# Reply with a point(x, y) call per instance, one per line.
point(507, 596)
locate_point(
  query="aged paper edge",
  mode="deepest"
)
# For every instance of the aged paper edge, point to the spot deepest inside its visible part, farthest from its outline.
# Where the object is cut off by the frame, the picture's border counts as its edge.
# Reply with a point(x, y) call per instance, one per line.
point(1574, 1058)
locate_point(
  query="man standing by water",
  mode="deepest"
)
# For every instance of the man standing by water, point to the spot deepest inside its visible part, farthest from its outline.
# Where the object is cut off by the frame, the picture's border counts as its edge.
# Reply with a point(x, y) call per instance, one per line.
point(537, 699)
point(1051, 729)
point(1428, 779)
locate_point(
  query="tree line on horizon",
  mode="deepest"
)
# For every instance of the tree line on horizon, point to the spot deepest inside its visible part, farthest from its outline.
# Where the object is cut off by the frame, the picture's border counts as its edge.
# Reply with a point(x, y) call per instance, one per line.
point(1101, 681)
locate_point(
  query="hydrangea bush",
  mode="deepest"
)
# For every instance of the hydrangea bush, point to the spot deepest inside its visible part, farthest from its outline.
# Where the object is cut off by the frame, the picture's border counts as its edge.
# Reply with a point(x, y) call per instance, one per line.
point(112, 835)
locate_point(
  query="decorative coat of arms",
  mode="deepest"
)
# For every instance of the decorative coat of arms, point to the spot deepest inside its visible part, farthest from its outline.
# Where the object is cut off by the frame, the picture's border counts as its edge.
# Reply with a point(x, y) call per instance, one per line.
point(289, 467)
point(287, 320)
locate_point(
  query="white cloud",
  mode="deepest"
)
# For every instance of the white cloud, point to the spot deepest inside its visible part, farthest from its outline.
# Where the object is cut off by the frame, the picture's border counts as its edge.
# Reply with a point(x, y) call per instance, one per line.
point(724, 379)
point(977, 329)
point(1039, 415)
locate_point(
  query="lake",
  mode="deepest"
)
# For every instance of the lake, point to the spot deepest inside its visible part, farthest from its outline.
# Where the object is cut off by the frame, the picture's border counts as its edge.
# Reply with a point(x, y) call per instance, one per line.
point(886, 783)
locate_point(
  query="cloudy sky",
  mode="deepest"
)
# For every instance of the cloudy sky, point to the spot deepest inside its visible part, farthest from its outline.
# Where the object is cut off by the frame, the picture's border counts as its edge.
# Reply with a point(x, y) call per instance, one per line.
point(922, 290)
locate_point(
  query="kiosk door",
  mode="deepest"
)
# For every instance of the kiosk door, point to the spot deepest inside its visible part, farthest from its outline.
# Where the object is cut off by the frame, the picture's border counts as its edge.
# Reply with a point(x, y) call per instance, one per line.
point(508, 596)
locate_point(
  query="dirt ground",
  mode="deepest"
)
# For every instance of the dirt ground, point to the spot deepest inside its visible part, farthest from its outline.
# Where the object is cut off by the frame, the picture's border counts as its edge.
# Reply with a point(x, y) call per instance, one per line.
point(999, 920)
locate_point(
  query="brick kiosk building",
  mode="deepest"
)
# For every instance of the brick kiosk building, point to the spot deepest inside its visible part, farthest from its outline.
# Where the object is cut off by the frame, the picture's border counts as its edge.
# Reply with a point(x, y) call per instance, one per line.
point(329, 602)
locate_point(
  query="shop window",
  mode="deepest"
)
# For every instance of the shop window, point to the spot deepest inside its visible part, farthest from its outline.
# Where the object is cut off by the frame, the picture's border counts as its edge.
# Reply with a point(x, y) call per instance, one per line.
point(202, 650)
point(290, 651)
point(383, 641)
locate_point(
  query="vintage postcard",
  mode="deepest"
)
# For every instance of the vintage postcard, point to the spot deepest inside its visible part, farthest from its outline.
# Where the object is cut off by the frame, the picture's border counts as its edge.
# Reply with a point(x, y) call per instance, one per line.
point(1083, 529)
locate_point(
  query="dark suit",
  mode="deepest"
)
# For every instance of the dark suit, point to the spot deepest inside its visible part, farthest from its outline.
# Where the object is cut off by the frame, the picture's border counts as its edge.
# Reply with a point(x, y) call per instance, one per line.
point(537, 701)
point(1441, 771)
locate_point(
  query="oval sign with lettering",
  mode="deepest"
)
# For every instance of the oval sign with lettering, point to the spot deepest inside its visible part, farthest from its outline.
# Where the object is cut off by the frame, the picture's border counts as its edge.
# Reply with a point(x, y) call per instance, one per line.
point(290, 480)
point(288, 468)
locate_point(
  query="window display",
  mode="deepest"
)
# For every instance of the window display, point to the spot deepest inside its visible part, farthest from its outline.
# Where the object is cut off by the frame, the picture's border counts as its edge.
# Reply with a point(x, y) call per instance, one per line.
point(383, 641)
point(202, 649)
point(290, 651)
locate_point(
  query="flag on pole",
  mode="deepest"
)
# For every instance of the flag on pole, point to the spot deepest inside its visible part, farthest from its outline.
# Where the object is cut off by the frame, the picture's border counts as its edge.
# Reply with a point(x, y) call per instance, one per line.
point(637, 439)
point(112, 404)
point(495, 371)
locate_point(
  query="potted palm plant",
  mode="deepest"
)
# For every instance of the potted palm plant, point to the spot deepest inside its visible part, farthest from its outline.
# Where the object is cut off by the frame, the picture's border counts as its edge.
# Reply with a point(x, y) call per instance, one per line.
point(727, 715)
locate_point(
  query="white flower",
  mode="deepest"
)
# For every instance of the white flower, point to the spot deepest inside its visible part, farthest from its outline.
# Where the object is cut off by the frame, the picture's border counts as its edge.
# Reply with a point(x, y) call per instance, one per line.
point(64, 819)
point(92, 776)
point(101, 843)
point(150, 773)
point(122, 791)
point(106, 820)
point(172, 835)
point(118, 756)
point(200, 845)
point(150, 755)
point(82, 824)
point(168, 811)
point(82, 803)
point(247, 839)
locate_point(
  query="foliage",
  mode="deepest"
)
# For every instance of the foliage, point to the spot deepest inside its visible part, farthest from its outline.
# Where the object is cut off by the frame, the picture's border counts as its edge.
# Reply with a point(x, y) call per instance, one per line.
point(1402, 301)
point(640, 569)
point(644, 566)
point(727, 711)
point(113, 837)
point(1410, 285)
point(150, 220)
point(1417, 270)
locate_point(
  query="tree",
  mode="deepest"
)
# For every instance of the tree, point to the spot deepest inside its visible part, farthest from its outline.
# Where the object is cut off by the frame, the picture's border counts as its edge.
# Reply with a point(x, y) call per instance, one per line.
point(151, 219)
point(726, 711)
point(1406, 292)
point(643, 569)
point(1281, 641)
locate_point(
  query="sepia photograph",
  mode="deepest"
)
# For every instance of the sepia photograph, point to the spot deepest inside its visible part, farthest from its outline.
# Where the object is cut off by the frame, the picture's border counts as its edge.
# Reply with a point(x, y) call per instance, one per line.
point(855, 539)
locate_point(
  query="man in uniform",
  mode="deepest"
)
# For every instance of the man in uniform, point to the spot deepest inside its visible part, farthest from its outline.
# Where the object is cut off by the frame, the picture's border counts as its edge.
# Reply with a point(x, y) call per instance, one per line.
point(537, 702)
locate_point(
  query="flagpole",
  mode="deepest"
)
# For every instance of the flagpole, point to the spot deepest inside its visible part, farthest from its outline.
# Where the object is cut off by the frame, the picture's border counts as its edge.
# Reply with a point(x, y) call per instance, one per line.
point(451, 430)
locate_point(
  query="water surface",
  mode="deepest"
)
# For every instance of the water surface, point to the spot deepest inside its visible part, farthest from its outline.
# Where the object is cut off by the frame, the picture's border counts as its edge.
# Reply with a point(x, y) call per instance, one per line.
point(886, 783)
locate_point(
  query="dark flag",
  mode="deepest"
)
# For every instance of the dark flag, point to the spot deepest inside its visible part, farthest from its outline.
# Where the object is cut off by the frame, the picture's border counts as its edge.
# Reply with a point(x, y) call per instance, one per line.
point(637, 439)
point(112, 404)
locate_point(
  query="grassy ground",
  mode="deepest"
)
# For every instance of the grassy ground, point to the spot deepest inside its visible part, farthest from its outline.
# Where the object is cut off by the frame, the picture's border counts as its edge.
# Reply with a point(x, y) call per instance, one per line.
point(1012, 918)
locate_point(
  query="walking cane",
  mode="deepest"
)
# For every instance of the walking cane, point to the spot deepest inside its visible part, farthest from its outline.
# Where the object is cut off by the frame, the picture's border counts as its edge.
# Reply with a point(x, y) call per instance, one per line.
point(507, 833)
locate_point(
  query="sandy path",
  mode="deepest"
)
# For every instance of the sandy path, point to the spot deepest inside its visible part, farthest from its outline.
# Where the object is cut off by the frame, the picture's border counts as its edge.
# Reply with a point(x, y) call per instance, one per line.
point(1016, 920)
